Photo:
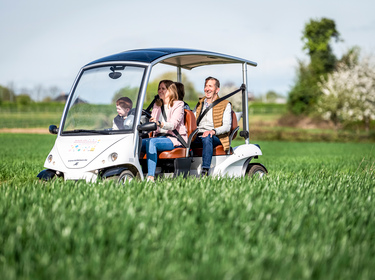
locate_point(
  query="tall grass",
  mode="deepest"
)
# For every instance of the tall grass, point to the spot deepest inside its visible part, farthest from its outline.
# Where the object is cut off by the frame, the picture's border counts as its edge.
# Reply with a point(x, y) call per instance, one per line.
point(311, 217)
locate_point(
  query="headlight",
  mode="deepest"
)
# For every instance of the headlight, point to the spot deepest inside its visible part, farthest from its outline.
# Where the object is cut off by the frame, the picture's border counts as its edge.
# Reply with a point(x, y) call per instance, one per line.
point(49, 158)
point(113, 156)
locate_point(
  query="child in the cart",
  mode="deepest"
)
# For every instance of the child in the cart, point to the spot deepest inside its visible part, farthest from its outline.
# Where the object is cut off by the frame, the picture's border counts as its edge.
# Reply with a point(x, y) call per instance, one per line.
point(123, 120)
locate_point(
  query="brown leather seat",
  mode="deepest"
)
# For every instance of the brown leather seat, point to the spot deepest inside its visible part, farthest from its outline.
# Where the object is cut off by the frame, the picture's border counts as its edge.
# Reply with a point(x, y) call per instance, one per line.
point(219, 150)
point(181, 152)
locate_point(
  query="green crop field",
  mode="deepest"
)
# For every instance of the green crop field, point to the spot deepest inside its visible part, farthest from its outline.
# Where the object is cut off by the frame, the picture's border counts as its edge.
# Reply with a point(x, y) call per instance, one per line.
point(312, 217)
point(41, 115)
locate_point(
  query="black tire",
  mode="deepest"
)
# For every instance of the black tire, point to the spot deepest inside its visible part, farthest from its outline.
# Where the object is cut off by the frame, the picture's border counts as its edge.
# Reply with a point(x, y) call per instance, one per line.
point(126, 176)
point(256, 171)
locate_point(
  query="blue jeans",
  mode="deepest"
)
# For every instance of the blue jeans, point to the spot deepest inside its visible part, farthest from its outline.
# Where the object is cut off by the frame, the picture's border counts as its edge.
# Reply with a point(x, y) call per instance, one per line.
point(208, 143)
point(152, 146)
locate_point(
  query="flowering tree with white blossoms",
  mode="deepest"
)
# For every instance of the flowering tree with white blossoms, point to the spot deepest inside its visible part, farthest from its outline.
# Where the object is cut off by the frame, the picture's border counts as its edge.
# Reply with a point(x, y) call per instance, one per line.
point(349, 92)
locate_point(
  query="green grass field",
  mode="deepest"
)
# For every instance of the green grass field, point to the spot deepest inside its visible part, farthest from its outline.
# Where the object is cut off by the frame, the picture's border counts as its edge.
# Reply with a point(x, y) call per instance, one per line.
point(312, 217)
point(41, 115)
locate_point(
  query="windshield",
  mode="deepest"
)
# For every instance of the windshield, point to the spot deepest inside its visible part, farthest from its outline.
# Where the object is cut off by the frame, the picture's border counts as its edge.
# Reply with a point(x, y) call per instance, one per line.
point(104, 100)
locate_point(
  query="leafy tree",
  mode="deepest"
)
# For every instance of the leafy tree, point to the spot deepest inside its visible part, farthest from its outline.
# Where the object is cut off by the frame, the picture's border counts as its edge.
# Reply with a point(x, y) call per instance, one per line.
point(349, 92)
point(271, 96)
point(23, 99)
point(131, 92)
point(351, 57)
point(6, 94)
point(190, 92)
point(317, 36)
point(303, 94)
point(152, 89)
point(47, 99)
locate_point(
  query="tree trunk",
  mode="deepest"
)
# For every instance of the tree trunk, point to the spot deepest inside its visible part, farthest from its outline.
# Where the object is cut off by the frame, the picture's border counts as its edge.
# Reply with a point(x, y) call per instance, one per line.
point(367, 123)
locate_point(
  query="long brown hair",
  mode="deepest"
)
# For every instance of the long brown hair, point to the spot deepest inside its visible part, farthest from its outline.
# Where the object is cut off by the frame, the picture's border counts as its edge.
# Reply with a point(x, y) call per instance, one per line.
point(167, 84)
point(172, 97)
point(180, 90)
point(173, 94)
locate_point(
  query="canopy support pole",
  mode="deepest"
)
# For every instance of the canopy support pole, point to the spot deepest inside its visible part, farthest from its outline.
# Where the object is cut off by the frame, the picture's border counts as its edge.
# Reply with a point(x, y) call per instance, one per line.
point(179, 77)
point(245, 105)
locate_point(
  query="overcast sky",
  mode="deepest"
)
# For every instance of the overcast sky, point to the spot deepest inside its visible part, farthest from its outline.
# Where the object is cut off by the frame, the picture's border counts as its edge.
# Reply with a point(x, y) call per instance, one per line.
point(46, 42)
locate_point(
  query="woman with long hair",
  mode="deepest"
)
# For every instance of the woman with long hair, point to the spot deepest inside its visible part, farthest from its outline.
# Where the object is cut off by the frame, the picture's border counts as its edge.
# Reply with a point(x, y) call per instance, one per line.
point(162, 88)
point(168, 122)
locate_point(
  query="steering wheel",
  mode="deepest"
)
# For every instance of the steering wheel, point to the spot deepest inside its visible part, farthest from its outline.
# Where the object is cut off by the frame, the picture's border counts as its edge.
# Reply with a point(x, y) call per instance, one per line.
point(146, 113)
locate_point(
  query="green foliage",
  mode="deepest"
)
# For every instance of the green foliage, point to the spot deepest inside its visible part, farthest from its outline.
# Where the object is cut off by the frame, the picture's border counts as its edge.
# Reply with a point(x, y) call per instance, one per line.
point(259, 108)
point(351, 57)
point(23, 99)
point(271, 96)
point(311, 217)
point(6, 94)
point(152, 90)
point(305, 91)
point(317, 36)
point(38, 107)
point(15, 115)
point(90, 116)
point(131, 92)
point(190, 93)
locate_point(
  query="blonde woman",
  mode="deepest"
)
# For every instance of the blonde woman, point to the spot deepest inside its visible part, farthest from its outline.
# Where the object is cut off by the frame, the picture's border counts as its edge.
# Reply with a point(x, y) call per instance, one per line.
point(164, 138)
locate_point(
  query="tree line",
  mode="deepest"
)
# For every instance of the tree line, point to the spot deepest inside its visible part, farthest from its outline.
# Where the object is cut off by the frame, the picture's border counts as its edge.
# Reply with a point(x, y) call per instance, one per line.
point(338, 89)
point(40, 93)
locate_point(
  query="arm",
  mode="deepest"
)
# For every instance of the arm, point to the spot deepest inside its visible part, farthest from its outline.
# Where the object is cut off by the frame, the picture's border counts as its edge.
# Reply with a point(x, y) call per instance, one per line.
point(155, 114)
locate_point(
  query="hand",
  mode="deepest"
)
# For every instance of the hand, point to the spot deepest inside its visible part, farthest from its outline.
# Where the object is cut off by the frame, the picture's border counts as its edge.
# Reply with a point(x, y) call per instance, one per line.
point(208, 132)
point(157, 122)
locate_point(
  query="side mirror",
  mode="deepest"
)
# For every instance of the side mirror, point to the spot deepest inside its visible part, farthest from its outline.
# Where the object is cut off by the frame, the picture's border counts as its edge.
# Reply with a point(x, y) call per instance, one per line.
point(149, 126)
point(53, 129)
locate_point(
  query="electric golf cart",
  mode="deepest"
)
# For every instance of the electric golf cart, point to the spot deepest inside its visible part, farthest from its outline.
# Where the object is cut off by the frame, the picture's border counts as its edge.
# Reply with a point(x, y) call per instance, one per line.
point(88, 148)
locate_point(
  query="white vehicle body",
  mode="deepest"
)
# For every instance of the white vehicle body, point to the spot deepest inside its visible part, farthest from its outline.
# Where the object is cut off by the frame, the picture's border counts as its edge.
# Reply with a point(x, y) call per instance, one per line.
point(87, 148)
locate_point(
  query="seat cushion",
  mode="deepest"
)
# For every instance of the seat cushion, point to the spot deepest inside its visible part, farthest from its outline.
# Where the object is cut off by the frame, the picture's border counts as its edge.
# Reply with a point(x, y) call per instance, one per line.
point(218, 151)
point(175, 153)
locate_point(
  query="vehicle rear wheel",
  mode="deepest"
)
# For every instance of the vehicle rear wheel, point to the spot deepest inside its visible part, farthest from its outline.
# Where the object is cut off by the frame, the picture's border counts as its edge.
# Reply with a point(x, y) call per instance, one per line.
point(256, 171)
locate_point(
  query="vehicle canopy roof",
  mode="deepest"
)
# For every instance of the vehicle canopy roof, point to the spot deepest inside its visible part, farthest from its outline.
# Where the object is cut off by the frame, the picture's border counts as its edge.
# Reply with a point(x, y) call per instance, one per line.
point(179, 57)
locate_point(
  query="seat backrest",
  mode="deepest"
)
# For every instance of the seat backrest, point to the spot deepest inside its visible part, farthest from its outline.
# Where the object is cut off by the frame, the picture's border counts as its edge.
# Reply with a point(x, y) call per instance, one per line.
point(234, 124)
point(190, 122)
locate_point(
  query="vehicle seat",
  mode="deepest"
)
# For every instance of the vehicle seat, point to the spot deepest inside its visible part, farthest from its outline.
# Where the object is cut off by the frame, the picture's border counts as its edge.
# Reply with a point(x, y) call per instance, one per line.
point(219, 150)
point(181, 152)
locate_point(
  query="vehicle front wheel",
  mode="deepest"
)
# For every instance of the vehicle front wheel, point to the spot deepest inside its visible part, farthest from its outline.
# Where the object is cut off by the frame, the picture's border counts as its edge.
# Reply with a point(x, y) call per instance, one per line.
point(126, 176)
point(256, 170)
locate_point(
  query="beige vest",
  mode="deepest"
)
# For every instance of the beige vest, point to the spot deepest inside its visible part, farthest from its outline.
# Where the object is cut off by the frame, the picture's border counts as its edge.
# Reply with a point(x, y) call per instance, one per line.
point(217, 115)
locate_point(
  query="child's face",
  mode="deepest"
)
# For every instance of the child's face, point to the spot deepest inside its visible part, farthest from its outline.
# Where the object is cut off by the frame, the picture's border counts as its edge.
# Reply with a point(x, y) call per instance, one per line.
point(121, 111)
